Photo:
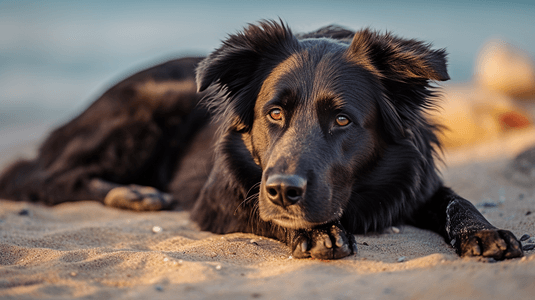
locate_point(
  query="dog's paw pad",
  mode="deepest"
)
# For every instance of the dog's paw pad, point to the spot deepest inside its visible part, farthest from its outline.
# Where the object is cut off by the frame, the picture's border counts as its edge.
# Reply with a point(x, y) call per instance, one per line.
point(138, 198)
point(324, 243)
point(497, 244)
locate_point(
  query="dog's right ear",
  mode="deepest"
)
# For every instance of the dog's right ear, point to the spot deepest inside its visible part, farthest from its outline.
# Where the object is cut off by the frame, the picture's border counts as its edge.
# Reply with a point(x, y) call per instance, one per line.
point(405, 69)
point(235, 72)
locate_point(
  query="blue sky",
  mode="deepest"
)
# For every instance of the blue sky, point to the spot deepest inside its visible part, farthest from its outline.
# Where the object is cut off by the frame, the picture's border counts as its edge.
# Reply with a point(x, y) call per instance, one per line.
point(58, 56)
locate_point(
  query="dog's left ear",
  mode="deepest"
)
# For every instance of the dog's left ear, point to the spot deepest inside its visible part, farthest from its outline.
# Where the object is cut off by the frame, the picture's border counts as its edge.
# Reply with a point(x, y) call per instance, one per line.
point(235, 72)
point(405, 69)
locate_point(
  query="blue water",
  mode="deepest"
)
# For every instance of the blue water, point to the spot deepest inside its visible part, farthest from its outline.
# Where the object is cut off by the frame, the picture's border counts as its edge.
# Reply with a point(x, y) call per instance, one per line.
point(57, 56)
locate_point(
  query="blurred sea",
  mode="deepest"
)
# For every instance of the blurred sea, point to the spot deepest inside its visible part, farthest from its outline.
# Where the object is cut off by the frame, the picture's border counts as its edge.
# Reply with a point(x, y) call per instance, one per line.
point(58, 56)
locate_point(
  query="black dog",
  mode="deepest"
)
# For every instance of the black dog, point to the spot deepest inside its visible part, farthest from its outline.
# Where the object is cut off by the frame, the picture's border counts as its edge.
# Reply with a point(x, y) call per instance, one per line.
point(304, 138)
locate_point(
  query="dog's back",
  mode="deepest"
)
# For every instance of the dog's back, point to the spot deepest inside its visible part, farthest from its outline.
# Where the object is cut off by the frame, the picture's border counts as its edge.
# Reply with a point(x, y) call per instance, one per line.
point(135, 133)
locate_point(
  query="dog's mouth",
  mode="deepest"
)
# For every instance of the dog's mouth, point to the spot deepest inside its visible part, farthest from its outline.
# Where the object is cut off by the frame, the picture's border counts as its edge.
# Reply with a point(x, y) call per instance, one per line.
point(289, 220)
point(294, 222)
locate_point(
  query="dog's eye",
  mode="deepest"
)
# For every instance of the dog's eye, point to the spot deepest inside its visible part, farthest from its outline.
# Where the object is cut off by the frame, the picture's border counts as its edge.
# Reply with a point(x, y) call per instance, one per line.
point(276, 114)
point(342, 120)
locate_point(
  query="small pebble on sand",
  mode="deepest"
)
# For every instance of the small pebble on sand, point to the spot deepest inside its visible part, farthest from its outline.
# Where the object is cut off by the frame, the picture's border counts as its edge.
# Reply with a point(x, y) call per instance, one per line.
point(401, 259)
point(24, 212)
point(156, 229)
point(395, 229)
point(218, 267)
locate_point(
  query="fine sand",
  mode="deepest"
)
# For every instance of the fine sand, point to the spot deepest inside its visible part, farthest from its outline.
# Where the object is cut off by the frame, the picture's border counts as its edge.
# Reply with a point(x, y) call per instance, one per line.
point(88, 251)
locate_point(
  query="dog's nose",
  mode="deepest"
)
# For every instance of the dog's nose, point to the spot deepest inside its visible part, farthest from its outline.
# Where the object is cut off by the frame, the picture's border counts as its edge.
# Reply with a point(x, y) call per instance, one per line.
point(285, 190)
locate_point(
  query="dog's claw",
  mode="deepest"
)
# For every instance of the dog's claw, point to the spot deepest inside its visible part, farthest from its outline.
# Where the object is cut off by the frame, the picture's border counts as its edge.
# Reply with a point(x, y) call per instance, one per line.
point(355, 249)
point(339, 242)
point(304, 246)
point(327, 242)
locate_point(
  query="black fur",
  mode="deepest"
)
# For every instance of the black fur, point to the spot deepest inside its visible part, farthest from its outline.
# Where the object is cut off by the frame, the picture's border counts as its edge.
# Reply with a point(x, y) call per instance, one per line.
point(319, 136)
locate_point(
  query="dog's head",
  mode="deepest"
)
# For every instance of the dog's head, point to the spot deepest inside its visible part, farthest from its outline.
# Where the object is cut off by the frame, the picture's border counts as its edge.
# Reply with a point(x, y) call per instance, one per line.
point(316, 112)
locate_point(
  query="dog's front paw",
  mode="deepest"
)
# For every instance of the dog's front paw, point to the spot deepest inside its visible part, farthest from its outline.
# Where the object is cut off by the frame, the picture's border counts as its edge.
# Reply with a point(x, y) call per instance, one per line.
point(495, 243)
point(326, 242)
point(139, 198)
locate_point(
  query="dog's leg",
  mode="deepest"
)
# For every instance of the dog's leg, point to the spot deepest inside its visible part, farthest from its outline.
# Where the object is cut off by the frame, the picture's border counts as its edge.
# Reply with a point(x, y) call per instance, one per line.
point(329, 241)
point(465, 228)
point(132, 197)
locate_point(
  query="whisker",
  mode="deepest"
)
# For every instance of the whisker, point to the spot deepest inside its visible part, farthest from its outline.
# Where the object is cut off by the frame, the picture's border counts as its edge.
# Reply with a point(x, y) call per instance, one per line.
point(254, 215)
point(252, 187)
point(249, 197)
point(251, 222)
